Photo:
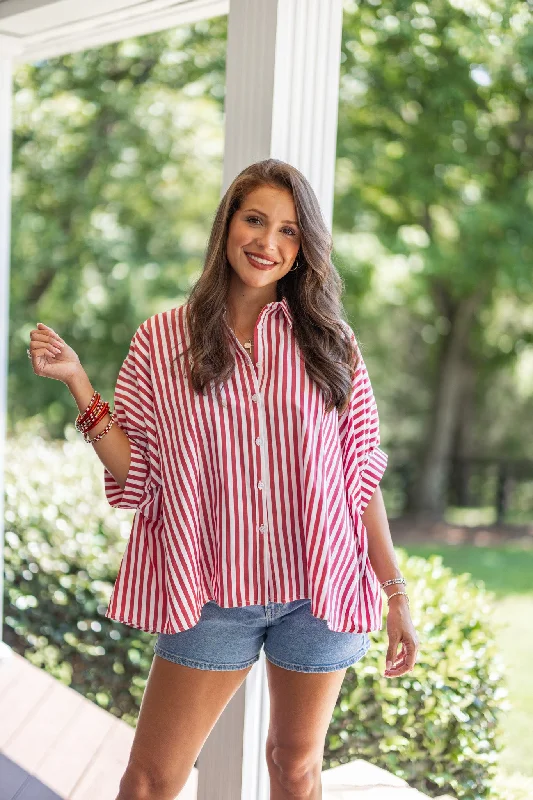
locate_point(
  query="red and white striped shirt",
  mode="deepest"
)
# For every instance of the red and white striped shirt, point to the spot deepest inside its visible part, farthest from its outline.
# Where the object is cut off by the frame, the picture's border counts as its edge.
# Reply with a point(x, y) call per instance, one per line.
point(257, 497)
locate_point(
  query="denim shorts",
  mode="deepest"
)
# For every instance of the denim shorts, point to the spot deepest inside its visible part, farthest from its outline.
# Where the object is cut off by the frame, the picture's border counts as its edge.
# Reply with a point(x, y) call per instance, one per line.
point(231, 639)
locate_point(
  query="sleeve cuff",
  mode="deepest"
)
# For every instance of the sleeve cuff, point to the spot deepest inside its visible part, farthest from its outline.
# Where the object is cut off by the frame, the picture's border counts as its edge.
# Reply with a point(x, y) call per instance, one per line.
point(136, 480)
point(372, 474)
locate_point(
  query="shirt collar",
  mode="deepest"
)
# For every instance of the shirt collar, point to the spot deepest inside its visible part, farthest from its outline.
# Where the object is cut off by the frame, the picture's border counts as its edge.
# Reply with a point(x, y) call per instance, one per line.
point(283, 304)
point(286, 310)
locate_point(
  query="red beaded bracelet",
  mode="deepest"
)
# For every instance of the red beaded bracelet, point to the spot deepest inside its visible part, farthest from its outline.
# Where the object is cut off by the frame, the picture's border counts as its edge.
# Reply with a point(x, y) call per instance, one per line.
point(82, 418)
point(103, 433)
point(93, 414)
point(97, 415)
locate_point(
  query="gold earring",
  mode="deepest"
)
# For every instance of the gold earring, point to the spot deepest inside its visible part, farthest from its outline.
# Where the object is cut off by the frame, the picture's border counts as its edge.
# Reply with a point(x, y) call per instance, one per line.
point(297, 262)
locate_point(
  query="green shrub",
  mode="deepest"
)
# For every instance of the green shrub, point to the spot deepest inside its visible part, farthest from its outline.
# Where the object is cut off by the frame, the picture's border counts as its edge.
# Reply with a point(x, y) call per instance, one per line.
point(63, 545)
point(437, 726)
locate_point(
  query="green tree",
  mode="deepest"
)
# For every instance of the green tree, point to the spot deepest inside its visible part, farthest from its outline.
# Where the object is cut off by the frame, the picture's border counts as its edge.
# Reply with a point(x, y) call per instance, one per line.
point(117, 163)
point(435, 149)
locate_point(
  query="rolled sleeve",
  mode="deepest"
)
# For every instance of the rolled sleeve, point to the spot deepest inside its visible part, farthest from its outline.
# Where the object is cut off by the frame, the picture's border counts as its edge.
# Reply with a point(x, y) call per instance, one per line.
point(133, 404)
point(132, 494)
point(372, 475)
point(360, 435)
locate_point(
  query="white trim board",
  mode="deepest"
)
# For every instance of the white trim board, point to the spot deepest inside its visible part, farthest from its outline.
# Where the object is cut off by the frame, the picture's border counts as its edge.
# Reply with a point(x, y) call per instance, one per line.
point(37, 30)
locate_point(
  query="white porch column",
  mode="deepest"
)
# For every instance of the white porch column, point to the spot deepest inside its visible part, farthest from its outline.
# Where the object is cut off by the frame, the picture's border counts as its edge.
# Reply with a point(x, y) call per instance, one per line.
point(8, 49)
point(282, 88)
point(282, 79)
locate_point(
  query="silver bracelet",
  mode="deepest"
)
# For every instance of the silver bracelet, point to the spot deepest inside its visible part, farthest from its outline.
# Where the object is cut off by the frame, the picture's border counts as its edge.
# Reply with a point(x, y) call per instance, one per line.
point(393, 580)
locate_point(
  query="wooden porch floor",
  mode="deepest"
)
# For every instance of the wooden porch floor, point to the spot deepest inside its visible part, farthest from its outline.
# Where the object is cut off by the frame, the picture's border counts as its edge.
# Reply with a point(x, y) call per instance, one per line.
point(57, 745)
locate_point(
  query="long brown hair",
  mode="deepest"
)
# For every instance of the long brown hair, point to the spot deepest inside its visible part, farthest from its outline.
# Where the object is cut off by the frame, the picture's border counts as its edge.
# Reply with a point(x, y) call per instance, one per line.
point(312, 292)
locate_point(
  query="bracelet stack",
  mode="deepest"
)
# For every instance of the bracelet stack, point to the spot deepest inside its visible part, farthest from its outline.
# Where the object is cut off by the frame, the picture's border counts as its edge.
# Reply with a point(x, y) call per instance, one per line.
point(394, 581)
point(93, 414)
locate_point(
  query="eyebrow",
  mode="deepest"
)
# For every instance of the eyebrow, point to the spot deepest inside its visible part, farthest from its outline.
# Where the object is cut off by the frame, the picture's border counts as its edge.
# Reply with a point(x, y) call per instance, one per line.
point(290, 221)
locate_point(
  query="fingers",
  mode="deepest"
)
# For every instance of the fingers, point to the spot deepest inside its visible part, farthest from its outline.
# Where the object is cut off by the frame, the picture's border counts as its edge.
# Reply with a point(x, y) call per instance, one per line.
point(45, 340)
point(42, 353)
point(51, 347)
point(46, 330)
point(403, 662)
point(391, 651)
point(398, 666)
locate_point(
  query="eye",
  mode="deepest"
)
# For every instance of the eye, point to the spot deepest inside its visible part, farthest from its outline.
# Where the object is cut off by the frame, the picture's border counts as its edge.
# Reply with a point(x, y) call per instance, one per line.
point(291, 230)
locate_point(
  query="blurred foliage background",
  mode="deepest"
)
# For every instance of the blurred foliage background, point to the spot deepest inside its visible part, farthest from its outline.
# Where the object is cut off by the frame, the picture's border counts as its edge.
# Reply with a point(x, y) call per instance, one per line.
point(117, 165)
point(116, 176)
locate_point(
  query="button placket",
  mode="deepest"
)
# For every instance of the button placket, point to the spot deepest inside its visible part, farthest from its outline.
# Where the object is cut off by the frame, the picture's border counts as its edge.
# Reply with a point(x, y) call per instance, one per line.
point(256, 398)
point(262, 484)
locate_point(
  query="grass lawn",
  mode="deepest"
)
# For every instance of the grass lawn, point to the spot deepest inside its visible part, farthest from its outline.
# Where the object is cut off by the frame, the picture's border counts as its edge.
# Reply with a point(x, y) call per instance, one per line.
point(508, 572)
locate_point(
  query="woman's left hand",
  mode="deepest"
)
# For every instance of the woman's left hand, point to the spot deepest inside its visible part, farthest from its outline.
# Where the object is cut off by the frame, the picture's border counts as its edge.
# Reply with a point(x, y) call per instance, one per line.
point(400, 630)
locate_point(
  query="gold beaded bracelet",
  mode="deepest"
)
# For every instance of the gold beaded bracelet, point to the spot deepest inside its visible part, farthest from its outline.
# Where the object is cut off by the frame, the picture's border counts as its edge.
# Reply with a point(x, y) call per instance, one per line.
point(394, 595)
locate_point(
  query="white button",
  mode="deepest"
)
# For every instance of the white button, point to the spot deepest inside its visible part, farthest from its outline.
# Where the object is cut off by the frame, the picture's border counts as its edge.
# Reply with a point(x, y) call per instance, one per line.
point(258, 440)
point(258, 364)
point(255, 398)
point(262, 528)
point(260, 485)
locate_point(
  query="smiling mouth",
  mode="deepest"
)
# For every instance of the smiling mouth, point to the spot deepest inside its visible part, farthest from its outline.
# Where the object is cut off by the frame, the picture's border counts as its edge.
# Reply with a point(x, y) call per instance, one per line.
point(259, 262)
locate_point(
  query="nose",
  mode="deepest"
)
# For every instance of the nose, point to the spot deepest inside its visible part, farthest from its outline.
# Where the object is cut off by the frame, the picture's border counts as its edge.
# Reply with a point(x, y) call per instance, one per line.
point(266, 240)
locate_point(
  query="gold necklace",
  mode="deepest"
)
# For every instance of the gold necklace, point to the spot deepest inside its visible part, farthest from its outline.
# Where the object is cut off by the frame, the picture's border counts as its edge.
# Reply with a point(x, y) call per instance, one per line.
point(247, 344)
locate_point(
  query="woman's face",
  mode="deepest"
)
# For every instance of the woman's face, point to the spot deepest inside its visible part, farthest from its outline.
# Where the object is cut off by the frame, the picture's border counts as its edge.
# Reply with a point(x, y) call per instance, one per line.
point(266, 226)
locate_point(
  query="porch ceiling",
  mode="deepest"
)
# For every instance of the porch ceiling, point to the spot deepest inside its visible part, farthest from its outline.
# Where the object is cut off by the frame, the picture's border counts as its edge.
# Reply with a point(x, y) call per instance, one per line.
point(32, 30)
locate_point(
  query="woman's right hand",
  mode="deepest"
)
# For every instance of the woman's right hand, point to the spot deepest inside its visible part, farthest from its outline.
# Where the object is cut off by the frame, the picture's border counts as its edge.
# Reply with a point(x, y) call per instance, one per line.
point(51, 356)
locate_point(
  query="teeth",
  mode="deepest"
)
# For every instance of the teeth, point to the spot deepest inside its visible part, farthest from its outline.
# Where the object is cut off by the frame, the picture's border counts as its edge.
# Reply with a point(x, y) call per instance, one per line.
point(260, 260)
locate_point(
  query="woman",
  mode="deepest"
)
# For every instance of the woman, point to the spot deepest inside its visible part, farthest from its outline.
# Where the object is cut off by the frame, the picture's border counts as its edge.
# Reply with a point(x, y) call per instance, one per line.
point(247, 441)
